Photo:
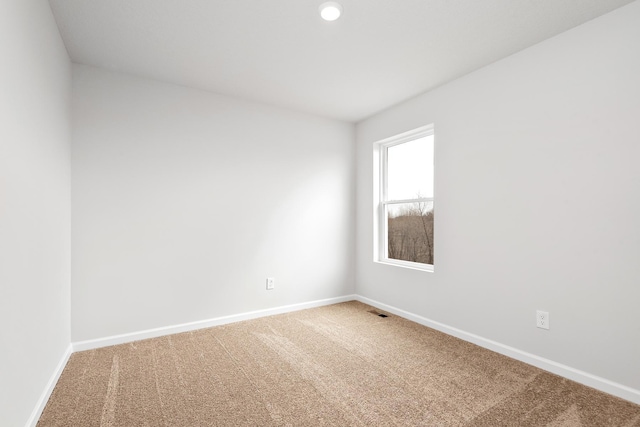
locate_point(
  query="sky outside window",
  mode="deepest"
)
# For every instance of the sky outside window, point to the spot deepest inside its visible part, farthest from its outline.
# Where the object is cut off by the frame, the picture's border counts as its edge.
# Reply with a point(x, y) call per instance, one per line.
point(410, 169)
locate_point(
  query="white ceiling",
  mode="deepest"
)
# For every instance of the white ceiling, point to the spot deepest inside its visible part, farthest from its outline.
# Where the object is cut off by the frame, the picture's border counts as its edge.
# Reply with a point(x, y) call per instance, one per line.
point(280, 52)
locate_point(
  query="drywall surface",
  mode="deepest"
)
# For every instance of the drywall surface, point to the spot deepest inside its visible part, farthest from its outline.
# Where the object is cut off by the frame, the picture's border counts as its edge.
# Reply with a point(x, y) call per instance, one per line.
point(184, 202)
point(35, 86)
point(537, 206)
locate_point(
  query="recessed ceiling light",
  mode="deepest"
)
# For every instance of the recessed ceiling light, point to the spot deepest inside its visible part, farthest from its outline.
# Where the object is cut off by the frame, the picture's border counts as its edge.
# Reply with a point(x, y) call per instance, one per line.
point(330, 11)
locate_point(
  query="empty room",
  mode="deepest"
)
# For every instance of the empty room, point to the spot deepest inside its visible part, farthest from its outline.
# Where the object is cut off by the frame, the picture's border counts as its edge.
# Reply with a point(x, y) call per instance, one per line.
point(300, 213)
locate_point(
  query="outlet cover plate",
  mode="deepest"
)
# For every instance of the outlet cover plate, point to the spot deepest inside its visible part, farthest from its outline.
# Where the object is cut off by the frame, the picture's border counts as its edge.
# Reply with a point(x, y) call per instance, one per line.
point(271, 283)
point(542, 319)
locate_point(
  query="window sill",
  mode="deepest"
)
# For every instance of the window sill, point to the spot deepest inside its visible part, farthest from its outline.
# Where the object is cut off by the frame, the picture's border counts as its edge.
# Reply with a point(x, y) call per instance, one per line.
point(407, 264)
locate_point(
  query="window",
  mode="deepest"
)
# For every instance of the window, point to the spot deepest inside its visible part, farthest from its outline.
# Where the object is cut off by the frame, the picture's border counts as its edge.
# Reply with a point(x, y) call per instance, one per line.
point(404, 199)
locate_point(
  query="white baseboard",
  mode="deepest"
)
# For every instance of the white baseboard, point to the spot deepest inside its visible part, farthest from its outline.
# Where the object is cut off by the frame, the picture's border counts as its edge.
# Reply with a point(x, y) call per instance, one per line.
point(576, 375)
point(186, 327)
point(44, 398)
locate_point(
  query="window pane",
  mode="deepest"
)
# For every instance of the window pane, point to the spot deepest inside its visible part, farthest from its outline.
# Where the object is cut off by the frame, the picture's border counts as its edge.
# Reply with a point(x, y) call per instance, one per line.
point(410, 169)
point(410, 232)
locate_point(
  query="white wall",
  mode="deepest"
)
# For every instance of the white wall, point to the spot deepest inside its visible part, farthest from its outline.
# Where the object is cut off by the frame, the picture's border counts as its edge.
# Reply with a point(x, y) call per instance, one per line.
point(35, 85)
point(537, 200)
point(184, 202)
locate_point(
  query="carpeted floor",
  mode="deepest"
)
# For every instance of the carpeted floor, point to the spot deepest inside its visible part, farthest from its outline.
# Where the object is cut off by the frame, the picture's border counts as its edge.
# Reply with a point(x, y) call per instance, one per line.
point(339, 365)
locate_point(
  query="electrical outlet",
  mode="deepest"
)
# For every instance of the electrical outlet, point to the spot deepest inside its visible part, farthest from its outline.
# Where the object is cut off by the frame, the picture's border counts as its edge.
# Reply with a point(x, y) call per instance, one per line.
point(271, 283)
point(542, 319)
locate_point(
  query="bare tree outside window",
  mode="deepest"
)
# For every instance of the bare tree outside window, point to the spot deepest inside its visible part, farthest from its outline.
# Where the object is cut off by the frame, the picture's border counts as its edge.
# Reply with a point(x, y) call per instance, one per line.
point(410, 232)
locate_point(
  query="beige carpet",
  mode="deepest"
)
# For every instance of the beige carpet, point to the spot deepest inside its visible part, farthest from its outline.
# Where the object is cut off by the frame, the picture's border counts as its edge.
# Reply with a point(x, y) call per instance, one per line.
point(338, 365)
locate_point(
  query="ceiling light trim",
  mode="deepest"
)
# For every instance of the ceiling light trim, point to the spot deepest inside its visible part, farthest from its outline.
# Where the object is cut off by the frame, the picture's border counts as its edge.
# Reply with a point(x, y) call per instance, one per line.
point(330, 11)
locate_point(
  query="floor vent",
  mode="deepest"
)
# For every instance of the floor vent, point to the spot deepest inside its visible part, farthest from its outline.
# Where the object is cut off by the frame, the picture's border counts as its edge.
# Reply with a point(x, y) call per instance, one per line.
point(378, 313)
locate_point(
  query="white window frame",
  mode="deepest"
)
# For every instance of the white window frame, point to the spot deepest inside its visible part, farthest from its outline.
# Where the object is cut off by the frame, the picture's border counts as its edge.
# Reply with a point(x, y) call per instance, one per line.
point(381, 201)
